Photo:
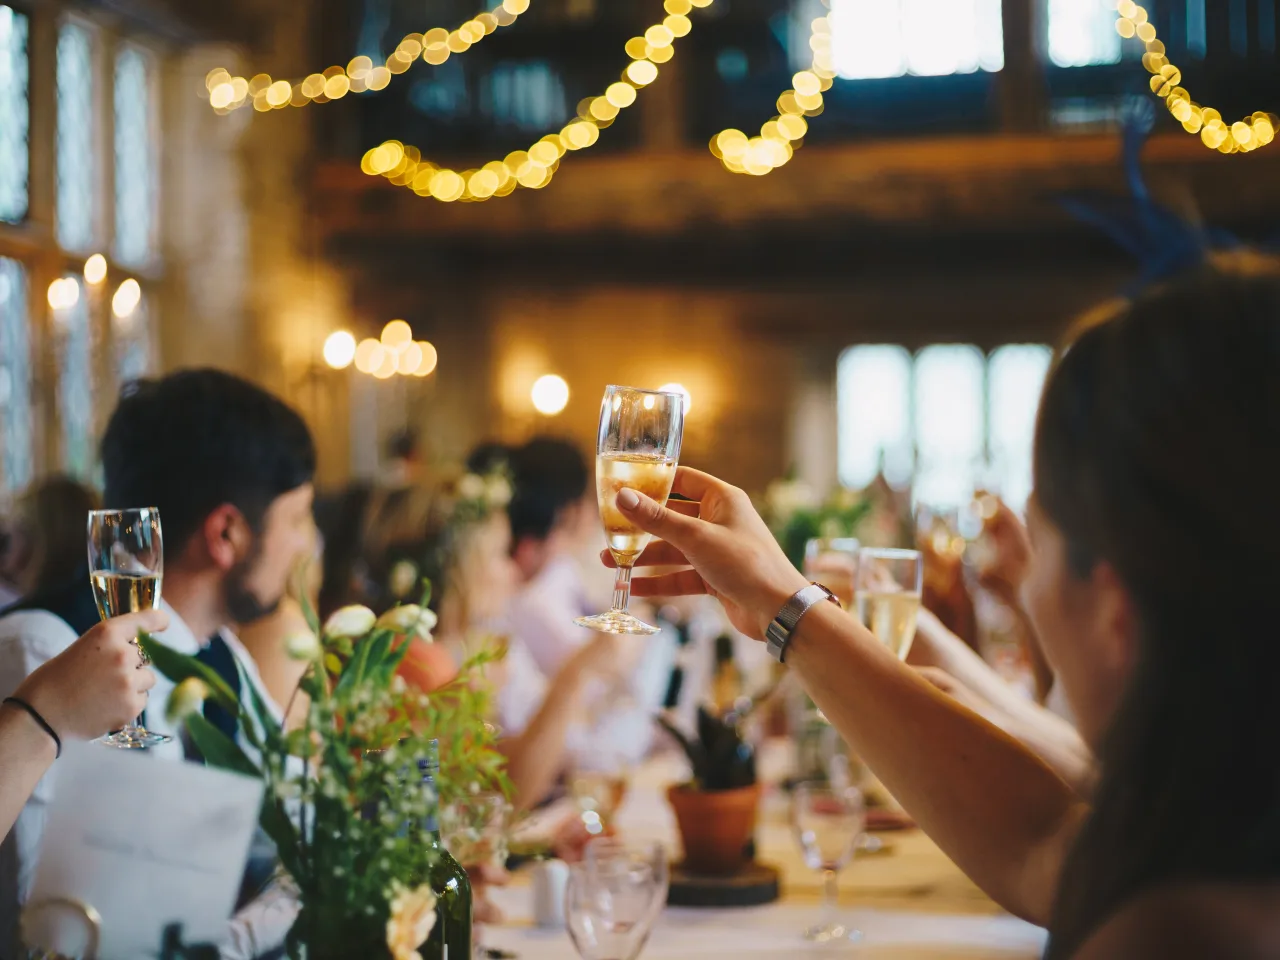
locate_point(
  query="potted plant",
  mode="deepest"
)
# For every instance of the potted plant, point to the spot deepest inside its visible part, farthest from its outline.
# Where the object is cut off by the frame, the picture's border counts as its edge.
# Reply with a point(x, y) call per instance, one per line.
point(352, 798)
point(716, 810)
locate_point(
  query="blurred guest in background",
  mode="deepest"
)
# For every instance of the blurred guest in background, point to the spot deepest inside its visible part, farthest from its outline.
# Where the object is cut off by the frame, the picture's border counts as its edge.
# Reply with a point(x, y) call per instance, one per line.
point(49, 537)
point(229, 467)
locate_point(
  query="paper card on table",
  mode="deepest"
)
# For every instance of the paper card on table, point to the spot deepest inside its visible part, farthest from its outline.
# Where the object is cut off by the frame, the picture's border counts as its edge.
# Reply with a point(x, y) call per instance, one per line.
point(146, 844)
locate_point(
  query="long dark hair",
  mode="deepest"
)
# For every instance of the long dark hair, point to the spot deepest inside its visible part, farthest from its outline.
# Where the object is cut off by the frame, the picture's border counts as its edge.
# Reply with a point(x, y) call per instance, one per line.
point(1158, 452)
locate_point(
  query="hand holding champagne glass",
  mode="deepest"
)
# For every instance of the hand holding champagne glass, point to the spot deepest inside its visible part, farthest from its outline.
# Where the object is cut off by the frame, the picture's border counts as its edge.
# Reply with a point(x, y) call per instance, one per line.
point(126, 566)
point(638, 446)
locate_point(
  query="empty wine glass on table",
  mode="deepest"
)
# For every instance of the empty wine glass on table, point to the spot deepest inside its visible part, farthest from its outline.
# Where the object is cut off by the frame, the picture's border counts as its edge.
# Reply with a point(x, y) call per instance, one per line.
point(829, 823)
point(651, 854)
point(888, 595)
point(610, 906)
point(638, 446)
point(126, 567)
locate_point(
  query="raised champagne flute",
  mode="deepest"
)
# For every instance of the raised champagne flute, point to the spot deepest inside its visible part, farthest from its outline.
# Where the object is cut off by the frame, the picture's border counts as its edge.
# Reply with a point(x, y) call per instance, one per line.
point(637, 447)
point(888, 595)
point(126, 566)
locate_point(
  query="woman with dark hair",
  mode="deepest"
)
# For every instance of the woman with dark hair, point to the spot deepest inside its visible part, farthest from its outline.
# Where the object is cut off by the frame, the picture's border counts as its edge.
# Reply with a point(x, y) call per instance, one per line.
point(52, 516)
point(1152, 587)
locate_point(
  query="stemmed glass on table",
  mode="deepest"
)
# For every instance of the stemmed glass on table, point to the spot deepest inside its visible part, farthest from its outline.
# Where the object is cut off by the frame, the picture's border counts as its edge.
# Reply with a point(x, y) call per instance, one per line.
point(829, 824)
point(613, 898)
point(126, 567)
point(638, 446)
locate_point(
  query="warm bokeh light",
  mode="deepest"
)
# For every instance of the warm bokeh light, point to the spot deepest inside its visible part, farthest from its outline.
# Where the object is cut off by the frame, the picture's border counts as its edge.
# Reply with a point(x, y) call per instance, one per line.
point(126, 298)
point(95, 269)
point(64, 293)
point(339, 349)
point(550, 394)
point(369, 354)
point(408, 358)
point(387, 367)
point(396, 334)
point(681, 389)
point(427, 365)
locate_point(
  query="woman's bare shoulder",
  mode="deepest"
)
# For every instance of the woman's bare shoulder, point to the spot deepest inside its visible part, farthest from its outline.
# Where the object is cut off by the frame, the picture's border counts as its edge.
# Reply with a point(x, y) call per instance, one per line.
point(1218, 920)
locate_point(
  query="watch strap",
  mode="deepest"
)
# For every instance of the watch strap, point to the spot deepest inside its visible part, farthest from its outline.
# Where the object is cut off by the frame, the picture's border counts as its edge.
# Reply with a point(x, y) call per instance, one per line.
point(778, 633)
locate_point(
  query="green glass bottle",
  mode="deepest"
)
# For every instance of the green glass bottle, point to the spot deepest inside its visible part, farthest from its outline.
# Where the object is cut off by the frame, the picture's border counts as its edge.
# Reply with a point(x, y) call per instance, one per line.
point(451, 936)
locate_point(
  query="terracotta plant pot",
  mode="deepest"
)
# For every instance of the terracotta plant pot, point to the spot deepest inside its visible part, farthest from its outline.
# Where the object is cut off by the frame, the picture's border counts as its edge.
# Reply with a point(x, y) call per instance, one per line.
point(715, 828)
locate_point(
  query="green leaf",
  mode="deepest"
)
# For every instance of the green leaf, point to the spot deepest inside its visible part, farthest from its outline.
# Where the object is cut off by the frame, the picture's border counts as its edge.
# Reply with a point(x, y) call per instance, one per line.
point(178, 667)
point(380, 677)
point(269, 725)
point(218, 749)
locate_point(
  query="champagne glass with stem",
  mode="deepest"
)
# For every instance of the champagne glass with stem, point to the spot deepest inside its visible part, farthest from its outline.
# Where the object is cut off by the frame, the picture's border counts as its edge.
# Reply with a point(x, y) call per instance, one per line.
point(126, 567)
point(888, 595)
point(829, 822)
point(638, 446)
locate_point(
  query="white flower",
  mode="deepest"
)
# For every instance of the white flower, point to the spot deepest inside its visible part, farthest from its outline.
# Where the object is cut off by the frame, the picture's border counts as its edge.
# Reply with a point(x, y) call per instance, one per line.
point(302, 645)
point(497, 492)
point(187, 697)
point(413, 915)
point(785, 497)
point(471, 487)
point(404, 577)
point(352, 621)
point(409, 619)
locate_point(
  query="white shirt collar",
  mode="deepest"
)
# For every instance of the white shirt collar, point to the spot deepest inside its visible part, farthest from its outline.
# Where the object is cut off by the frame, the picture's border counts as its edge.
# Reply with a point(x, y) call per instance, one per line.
point(179, 636)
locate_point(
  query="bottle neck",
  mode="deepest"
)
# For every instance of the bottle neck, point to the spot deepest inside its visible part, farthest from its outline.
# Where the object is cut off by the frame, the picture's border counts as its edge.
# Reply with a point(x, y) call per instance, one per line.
point(428, 767)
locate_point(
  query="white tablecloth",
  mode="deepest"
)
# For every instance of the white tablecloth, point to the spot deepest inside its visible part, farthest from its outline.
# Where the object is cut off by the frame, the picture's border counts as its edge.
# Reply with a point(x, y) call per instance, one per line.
point(946, 917)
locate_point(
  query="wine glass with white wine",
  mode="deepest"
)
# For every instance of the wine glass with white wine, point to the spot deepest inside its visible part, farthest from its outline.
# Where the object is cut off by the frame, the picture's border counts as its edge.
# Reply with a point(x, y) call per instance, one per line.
point(126, 566)
point(888, 595)
point(637, 447)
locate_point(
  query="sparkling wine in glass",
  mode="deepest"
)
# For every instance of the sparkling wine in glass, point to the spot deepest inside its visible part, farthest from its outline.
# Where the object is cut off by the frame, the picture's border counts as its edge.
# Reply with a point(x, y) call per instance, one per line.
point(888, 595)
point(829, 823)
point(126, 568)
point(638, 447)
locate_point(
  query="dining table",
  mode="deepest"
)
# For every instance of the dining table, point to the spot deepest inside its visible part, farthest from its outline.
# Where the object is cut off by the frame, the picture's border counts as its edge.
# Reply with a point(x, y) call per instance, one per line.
point(907, 898)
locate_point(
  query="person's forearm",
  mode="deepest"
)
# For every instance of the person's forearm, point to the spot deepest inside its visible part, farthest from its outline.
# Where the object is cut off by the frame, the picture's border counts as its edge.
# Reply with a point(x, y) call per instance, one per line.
point(536, 757)
point(26, 753)
point(942, 762)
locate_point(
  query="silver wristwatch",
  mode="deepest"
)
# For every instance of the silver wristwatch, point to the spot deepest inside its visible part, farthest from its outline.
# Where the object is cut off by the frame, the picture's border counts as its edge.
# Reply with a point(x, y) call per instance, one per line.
point(778, 634)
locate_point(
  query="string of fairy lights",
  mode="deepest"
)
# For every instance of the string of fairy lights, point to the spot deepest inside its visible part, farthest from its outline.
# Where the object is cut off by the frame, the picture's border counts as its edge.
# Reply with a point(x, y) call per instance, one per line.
point(1243, 136)
point(783, 134)
point(403, 164)
point(228, 93)
point(779, 137)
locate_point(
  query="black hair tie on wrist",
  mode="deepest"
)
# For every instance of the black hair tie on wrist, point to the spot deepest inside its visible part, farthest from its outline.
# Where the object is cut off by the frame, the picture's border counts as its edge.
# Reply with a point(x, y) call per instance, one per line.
point(35, 715)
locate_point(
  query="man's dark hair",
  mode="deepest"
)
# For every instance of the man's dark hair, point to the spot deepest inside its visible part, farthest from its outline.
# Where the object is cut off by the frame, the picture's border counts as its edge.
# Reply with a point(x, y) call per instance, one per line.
point(547, 475)
point(196, 439)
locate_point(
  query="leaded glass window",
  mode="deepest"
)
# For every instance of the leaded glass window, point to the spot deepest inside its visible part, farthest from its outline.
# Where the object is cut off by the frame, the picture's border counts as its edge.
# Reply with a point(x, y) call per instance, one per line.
point(14, 115)
point(75, 384)
point(949, 415)
point(874, 410)
point(1015, 375)
point(136, 164)
point(76, 160)
point(131, 338)
point(15, 379)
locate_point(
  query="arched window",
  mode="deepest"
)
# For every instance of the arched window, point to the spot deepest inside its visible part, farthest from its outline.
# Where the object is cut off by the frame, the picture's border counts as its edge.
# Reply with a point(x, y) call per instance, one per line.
point(77, 158)
point(74, 345)
point(874, 391)
point(949, 421)
point(135, 156)
point(946, 421)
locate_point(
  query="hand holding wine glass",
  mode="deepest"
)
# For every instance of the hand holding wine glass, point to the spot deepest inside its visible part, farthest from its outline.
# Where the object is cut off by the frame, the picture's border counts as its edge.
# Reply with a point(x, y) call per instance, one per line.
point(637, 449)
point(126, 567)
point(95, 685)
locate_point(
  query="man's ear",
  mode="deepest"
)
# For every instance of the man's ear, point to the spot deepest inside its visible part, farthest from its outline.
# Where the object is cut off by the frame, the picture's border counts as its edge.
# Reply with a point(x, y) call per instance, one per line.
point(227, 536)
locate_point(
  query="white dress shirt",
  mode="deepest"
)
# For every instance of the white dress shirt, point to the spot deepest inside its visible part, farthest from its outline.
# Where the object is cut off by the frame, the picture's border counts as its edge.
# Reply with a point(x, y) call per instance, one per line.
point(541, 615)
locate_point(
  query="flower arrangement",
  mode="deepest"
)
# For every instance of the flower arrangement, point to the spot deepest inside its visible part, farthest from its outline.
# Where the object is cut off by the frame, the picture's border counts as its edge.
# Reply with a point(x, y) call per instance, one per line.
point(796, 515)
point(340, 791)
